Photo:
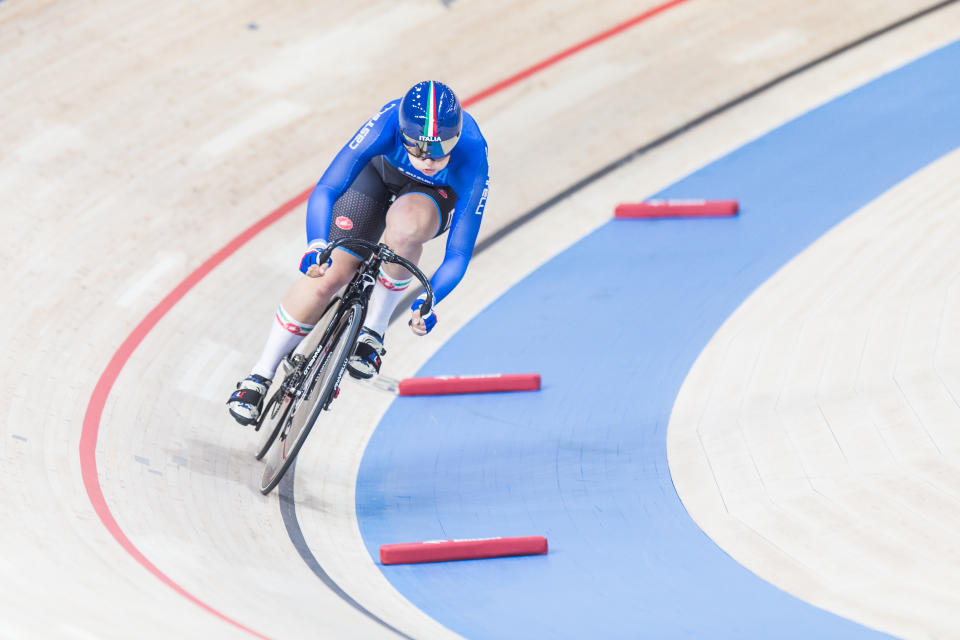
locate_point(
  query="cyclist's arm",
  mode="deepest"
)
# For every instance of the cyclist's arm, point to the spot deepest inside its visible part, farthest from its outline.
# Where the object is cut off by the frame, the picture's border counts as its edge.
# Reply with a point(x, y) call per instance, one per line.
point(463, 233)
point(374, 138)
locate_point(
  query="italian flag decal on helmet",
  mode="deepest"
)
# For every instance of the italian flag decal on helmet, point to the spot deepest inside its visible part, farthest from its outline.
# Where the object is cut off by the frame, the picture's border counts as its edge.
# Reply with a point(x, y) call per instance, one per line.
point(430, 120)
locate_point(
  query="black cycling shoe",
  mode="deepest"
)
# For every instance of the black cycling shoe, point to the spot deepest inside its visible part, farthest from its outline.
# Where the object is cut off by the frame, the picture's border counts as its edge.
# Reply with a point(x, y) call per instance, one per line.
point(246, 402)
point(365, 361)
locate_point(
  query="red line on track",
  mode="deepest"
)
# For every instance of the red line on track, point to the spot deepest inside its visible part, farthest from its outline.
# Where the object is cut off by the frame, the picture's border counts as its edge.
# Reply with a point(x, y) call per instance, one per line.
point(566, 53)
point(98, 399)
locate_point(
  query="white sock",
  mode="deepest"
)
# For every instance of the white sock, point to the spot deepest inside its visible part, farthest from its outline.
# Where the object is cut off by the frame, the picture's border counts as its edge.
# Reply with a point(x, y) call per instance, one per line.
point(387, 294)
point(285, 334)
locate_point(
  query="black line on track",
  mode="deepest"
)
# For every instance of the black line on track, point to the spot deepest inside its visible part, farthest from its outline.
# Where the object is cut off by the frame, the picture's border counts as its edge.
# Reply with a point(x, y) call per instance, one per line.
point(288, 511)
point(287, 504)
point(499, 234)
point(709, 115)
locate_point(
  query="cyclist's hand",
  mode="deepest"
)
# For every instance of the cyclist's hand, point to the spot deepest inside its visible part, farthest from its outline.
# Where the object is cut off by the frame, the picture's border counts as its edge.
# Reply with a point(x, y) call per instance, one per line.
point(308, 263)
point(422, 326)
point(317, 270)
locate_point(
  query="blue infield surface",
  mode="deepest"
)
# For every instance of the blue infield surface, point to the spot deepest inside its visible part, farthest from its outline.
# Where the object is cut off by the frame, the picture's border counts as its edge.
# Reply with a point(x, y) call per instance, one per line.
point(583, 461)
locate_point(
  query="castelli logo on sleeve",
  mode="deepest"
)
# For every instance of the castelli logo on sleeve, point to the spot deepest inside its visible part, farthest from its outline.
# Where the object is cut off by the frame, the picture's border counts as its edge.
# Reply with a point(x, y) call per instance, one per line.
point(368, 126)
point(344, 223)
point(443, 194)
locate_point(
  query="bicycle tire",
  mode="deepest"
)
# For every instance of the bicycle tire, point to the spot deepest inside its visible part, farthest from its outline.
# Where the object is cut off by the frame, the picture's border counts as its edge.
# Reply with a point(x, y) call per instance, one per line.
point(303, 413)
point(279, 402)
point(277, 405)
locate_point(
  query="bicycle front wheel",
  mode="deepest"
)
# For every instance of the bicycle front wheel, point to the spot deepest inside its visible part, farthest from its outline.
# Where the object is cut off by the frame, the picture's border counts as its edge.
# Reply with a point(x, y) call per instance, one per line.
point(272, 418)
point(318, 388)
point(275, 411)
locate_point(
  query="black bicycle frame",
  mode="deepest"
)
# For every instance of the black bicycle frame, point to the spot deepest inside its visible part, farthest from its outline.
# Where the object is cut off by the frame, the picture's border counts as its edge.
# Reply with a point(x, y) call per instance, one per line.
point(359, 290)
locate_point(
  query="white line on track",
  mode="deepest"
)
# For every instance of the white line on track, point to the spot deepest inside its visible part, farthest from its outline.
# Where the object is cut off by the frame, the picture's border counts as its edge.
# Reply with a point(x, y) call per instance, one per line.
point(340, 46)
point(273, 116)
point(74, 632)
point(144, 283)
point(775, 44)
point(234, 363)
point(195, 363)
point(53, 141)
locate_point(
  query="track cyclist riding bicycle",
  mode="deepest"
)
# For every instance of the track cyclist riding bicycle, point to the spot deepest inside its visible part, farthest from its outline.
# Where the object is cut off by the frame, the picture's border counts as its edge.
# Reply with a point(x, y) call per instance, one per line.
point(415, 169)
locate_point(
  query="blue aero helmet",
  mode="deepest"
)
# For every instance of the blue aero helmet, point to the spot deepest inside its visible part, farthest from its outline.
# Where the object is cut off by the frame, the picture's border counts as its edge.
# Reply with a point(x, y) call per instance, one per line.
point(430, 120)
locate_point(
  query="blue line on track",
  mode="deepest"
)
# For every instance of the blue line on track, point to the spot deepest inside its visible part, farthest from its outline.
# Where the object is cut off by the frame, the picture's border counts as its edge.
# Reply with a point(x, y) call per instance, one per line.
point(584, 461)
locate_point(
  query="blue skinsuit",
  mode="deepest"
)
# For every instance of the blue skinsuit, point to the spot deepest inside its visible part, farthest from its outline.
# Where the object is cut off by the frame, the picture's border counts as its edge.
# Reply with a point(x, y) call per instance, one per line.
point(466, 174)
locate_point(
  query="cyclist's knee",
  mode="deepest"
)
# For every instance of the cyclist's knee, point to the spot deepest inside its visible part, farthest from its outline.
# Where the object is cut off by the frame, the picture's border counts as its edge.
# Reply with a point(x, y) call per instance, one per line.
point(324, 286)
point(335, 278)
point(413, 218)
point(403, 240)
point(320, 288)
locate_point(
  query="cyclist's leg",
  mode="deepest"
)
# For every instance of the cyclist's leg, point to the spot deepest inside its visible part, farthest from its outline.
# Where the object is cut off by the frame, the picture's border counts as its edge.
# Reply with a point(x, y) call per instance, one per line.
point(358, 213)
point(411, 221)
point(418, 214)
point(301, 308)
point(306, 299)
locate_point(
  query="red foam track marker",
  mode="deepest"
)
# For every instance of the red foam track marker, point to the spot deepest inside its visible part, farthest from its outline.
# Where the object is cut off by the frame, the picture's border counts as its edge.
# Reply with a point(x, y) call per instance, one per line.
point(492, 382)
point(446, 550)
point(653, 209)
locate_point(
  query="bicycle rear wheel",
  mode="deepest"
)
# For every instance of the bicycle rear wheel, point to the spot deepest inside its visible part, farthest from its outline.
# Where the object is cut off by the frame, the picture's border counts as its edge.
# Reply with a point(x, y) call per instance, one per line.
point(320, 384)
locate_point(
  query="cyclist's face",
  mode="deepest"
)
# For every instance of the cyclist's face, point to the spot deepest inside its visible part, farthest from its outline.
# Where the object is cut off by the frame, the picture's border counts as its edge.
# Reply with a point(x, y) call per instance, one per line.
point(428, 166)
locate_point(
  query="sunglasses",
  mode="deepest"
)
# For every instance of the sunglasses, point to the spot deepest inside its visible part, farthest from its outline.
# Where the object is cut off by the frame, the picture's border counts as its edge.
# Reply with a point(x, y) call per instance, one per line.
point(433, 150)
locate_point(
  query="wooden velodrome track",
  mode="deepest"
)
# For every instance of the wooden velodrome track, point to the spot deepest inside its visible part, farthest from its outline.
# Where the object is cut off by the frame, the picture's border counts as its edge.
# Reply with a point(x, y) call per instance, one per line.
point(139, 139)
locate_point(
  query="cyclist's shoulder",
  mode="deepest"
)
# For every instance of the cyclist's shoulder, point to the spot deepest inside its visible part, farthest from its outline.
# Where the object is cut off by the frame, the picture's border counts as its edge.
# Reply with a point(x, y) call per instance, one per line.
point(470, 154)
point(377, 131)
point(470, 132)
point(387, 114)
point(390, 106)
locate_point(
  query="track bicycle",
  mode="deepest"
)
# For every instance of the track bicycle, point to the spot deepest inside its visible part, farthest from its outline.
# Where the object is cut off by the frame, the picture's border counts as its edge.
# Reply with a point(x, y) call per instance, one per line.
point(308, 380)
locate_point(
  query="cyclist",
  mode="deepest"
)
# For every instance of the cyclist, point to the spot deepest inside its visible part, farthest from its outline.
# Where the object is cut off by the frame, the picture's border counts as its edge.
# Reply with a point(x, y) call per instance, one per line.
point(416, 169)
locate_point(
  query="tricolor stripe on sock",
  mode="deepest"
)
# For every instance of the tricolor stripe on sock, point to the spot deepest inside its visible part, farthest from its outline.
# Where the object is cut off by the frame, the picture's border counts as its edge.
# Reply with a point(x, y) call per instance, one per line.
point(291, 325)
point(391, 284)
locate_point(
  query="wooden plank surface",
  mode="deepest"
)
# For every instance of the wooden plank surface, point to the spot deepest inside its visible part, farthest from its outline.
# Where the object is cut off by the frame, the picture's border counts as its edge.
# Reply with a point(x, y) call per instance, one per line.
point(139, 138)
